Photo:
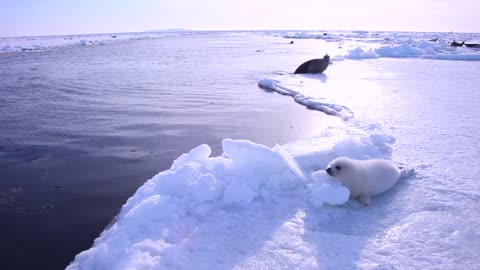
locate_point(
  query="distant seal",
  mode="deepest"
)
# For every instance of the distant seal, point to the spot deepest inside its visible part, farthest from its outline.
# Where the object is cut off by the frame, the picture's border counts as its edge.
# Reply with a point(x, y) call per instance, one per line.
point(456, 44)
point(472, 45)
point(291, 42)
point(314, 66)
point(366, 178)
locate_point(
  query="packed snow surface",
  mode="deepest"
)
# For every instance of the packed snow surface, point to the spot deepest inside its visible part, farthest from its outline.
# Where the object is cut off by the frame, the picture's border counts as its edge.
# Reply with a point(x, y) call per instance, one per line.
point(345, 44)
point(260, 207)
point(324, 103)
point(207, 212)
point(28, 44)
point(369, 45)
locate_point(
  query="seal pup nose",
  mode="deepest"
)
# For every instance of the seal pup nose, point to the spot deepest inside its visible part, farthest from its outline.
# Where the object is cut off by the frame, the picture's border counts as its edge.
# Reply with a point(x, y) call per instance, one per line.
point(329, 171)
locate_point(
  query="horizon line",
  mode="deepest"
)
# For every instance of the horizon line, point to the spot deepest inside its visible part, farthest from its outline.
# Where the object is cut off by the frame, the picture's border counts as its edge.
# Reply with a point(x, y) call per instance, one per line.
point(231, 30)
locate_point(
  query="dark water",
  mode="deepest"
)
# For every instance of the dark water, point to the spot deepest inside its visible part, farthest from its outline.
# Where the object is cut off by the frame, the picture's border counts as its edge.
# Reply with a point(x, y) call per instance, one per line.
point(81, 128)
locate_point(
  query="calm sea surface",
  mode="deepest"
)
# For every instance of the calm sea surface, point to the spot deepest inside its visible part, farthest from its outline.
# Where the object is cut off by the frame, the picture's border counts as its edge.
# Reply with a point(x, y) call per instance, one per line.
point(82, 127)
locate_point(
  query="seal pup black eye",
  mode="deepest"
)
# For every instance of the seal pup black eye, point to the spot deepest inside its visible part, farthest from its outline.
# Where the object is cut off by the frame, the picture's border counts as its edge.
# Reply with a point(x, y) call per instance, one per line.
point(338, 167)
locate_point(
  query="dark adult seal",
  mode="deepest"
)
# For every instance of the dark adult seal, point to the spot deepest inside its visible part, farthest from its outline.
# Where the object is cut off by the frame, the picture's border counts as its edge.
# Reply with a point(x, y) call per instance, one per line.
point(314, 66)
point(472, 45)
point(456, 44)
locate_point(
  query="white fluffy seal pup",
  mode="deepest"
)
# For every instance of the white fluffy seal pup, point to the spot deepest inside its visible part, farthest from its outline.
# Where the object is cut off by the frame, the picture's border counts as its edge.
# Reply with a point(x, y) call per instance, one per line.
point(366, 178)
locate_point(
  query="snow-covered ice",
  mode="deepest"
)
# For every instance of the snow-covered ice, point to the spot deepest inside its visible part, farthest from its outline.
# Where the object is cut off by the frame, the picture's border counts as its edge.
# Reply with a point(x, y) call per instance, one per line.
point(341, 44)
point(369, 45)
point(260, 207)
point(310, 101)
point(162, 225)
point(27, 44)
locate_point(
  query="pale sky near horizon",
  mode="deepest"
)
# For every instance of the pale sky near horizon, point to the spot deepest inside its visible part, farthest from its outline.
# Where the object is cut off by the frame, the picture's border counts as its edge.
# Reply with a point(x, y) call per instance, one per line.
point(51, 17)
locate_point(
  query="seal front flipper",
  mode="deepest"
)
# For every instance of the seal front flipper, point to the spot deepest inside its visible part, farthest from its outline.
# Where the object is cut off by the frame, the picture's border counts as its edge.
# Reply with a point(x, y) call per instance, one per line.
point(365, 199)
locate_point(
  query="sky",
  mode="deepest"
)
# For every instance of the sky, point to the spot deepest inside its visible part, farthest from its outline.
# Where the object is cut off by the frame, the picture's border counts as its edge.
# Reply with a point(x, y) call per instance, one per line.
point(51, 17)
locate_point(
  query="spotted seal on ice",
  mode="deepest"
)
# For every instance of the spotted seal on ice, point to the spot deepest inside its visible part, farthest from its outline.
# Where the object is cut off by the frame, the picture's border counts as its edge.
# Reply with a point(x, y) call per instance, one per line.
point(314, 66)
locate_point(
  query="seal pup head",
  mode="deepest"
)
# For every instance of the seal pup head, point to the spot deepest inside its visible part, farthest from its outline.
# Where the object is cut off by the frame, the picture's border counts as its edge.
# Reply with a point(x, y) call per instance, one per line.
point(339, 167)
point(345, 170)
